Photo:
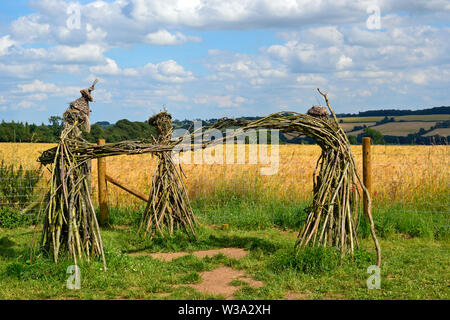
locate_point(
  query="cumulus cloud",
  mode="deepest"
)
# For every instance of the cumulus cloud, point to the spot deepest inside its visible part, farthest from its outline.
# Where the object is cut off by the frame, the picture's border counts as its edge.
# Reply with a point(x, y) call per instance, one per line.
point(40, 90)
point(322, 43)
point(28, 28)
point(311, 81)
point(5, 44)
point(256, 69)
point(167, 71)
point(111, 68)
point(85, 53)
point(226, 101)
point(38, 86)
point(238, 14)
point(165, 38)
point(361, 49)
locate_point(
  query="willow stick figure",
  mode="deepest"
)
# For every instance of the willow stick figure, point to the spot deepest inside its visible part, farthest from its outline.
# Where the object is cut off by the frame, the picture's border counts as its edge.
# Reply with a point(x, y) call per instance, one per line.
point(70, 222)
point(168, 207)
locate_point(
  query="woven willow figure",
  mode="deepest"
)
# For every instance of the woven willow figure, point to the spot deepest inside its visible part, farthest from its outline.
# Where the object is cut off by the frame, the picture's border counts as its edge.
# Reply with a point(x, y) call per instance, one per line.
point(168, 207)
point(70, 222)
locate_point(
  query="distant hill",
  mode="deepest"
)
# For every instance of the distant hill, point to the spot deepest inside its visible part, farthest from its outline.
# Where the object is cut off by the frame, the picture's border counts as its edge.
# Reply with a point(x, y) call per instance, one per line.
point(103, 124)
point(394, 112)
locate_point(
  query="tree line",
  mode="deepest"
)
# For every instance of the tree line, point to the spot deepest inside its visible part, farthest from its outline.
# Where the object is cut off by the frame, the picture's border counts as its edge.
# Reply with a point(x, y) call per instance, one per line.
point(395, 112)
point(133, 130)
point(49, 133)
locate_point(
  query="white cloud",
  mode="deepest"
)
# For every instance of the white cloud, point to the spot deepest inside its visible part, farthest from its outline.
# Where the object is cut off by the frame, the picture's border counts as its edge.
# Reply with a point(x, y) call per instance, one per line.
point(311, 81)
point(258, 70)
point(19, 70)
point(344, 62)
point(38, 86)
point(365, 93)
point(167, 71)
point(215, 14)
point(95, 35)
point(39, 90)
point(419, 78)
point(178, 97)
point(5, 44)
point(226, 101)
point(165, 38)
point(28, 28)
point(85, 53)
point(110, 68)
point(25, 104)
point(357, 48)
point(38, 96)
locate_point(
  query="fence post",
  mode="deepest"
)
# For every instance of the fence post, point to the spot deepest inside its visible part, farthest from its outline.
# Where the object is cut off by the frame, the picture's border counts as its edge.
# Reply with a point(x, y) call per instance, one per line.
point(102, 192)
point(367, 171)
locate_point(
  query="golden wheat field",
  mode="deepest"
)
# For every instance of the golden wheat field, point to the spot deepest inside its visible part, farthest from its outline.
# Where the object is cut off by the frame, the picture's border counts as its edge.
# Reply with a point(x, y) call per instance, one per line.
point(400, 173)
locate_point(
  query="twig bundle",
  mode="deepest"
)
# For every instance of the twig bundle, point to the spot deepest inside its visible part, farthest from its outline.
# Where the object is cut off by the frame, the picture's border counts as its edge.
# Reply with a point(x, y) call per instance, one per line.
point(333, 217)
point(70, 220)
point(168, 207)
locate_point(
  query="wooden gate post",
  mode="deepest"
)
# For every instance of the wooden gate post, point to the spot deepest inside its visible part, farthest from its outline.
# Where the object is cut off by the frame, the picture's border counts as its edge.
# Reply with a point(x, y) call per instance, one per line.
point(102, 192)
point(367, 172)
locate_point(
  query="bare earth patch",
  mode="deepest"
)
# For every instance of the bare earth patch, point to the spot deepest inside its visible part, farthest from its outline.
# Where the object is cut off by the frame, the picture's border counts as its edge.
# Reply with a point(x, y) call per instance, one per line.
point(235, 253)
point(334, 296)
point(296, 296)
point(218, 282)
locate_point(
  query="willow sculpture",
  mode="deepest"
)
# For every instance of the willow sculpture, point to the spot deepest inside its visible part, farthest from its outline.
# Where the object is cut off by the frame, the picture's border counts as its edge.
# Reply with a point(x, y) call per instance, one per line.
point(332, 220)
point(168, 207)
point(70, 221)
point(333, 217)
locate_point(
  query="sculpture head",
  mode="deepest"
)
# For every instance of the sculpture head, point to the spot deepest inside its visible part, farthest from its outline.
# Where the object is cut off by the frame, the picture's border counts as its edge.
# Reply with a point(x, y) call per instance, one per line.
point(86, 93)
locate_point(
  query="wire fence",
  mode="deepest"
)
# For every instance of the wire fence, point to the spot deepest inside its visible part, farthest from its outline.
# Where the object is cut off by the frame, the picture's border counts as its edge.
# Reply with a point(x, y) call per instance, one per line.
point(21, 191)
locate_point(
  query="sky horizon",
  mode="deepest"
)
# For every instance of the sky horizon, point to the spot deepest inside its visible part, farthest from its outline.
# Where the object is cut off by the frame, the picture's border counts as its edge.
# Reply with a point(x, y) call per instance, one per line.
point(211, 59)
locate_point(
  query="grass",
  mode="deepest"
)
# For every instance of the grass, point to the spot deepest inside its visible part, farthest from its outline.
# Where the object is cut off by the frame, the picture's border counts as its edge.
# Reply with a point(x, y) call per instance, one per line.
point(414, 240)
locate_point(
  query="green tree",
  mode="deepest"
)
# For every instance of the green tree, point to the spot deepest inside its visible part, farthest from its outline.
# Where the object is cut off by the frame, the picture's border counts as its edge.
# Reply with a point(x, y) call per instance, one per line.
point(352, 139)
point(55, 125)
point(376, 136)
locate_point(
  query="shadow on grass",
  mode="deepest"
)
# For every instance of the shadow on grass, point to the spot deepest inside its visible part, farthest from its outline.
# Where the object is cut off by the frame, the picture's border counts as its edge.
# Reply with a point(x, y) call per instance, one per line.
point(181, 242)
point(6, 249)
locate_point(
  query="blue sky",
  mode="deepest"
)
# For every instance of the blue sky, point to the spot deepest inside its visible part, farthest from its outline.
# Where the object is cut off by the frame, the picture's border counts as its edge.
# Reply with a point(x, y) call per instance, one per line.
point(212, 58)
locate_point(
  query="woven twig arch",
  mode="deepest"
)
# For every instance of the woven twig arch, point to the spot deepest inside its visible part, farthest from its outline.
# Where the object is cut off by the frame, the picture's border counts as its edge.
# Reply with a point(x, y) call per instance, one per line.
point(332, 220)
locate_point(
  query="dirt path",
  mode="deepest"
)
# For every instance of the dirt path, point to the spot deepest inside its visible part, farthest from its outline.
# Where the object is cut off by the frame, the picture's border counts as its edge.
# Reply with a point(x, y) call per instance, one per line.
point(219, 281)
point(235, 253)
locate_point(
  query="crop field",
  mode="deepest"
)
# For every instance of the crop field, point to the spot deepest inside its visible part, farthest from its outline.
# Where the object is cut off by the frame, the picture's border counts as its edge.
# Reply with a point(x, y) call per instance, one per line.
point(428, 117)
point(445, 132)
point(400, 128)
point(348, 126)
point(392, 176)
point(248, 226)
